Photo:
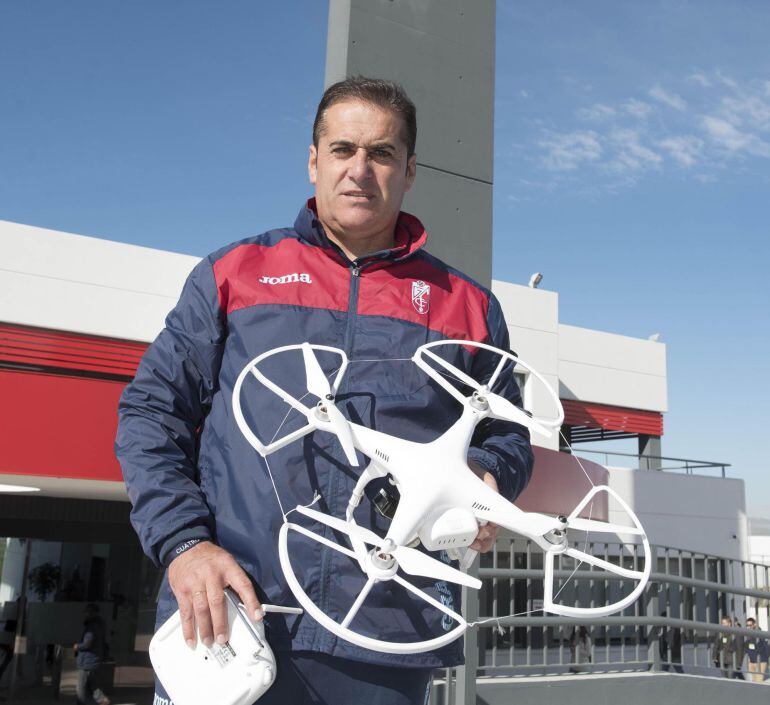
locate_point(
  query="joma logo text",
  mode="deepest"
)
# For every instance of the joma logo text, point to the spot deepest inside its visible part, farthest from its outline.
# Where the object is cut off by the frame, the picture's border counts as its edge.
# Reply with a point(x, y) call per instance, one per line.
point(287, 279)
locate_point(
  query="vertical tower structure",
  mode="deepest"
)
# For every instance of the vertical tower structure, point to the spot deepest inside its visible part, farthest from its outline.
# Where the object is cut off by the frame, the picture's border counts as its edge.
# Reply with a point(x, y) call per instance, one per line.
point(443, 53)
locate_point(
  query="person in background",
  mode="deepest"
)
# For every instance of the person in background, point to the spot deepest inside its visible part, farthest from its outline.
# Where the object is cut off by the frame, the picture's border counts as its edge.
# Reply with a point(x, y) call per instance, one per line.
point(580, 648)
point(670, 638)
point(757, 651)
point(90, 654)
point(727, 652)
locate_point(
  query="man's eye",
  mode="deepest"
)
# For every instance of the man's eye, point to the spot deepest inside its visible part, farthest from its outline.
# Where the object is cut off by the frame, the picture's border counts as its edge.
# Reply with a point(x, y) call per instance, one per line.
point(341, 150)
point(381, 153)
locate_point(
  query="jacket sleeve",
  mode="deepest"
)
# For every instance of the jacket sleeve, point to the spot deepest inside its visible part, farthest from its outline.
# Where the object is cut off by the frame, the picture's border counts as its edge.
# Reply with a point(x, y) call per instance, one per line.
point(160, 414)
point(86, 642)
point(501, 447)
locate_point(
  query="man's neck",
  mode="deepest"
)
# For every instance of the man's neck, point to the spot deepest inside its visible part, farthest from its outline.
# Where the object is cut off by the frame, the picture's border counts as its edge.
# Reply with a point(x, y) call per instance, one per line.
point(356, 248)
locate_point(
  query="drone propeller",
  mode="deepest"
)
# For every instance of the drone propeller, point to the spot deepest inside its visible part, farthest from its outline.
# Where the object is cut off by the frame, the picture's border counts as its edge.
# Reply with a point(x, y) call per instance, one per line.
point(410, 560)
point(318, 384)
point(499, 406)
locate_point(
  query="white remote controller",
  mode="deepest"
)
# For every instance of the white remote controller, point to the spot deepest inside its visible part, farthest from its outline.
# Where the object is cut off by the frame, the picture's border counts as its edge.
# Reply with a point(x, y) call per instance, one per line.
point(235, 673)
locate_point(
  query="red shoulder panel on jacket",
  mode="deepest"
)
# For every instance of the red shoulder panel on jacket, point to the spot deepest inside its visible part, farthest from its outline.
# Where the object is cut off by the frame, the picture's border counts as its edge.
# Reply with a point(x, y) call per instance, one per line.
point(285, 273)
point(417, 291)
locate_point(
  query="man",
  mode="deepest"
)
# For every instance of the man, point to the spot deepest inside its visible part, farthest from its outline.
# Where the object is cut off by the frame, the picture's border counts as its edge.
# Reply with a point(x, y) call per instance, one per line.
point(670, 638)
point(757, 651)
point(90, 655)
point(727, 652)
point(352, 273)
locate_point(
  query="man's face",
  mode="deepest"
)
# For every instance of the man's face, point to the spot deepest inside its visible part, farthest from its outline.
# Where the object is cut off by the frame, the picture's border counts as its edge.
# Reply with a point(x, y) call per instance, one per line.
point(360, 171)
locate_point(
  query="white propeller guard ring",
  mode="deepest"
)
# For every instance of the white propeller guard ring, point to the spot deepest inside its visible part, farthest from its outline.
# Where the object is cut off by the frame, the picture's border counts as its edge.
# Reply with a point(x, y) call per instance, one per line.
point(388, 647)
point(266, 448)
point(417, 358)
point(644, 575)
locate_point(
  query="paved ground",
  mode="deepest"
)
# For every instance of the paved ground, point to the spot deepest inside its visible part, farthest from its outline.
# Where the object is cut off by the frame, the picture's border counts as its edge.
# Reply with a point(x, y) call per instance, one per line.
point(133, 687)
point(120, 696)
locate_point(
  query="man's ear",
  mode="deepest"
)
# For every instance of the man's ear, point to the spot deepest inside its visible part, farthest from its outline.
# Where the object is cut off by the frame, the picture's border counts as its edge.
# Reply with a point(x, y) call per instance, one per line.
point(312, 164)
point(411, 171)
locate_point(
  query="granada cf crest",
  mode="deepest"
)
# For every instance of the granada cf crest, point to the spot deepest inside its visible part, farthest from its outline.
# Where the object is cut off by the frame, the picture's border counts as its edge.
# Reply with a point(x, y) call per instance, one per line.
point(421, 296)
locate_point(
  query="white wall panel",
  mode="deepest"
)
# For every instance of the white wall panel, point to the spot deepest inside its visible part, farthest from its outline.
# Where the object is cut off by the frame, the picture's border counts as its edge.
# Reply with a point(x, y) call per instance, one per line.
point(695, 512)
point(612, 351)
point(77, 258)
point(526, 307)
point(81, 308)
point(536, 348)
point(603, 385)
point(86, 285)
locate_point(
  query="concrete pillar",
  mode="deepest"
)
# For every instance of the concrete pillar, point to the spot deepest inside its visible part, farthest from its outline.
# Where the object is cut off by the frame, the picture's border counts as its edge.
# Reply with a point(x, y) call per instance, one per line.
point(649, 452)
point(443, 53)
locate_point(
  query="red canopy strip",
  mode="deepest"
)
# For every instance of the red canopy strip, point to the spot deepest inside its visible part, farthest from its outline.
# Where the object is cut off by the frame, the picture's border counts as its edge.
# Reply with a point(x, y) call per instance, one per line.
point(612, 418)
point(57, 350)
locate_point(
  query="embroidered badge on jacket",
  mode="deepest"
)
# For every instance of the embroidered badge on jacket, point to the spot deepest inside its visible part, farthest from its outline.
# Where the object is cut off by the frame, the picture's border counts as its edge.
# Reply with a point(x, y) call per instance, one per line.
point(421, 296)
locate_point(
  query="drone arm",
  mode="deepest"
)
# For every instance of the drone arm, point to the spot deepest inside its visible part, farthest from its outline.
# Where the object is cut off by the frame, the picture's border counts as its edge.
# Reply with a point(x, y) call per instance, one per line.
point(489, 505)
point(370, 473)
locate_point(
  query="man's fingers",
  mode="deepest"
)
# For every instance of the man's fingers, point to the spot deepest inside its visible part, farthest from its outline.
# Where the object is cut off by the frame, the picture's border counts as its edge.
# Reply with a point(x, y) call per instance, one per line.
point(200, 602)
point(485, 539)
point(198, 578)
point(218, 607)
point(239, 581)
point(187, 617)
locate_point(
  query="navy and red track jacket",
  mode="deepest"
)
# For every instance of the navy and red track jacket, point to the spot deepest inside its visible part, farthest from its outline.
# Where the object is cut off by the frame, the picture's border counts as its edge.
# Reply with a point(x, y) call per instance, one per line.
point(192, 475)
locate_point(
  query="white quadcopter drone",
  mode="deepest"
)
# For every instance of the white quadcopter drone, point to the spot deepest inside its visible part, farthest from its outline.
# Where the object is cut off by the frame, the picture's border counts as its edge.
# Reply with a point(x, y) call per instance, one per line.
point(441, 503)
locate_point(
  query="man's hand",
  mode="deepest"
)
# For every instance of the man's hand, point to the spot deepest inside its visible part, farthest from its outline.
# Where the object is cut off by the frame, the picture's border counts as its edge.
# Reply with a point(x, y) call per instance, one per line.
point(198, 578)
point(485, 539)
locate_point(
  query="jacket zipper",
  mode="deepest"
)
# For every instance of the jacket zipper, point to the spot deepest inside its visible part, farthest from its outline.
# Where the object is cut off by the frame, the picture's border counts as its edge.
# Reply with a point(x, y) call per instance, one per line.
point(333, 493)
point(355, 278)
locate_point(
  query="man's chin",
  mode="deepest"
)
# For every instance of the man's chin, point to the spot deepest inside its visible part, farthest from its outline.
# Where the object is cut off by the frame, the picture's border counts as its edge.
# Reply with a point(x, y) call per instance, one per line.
point(361, 222)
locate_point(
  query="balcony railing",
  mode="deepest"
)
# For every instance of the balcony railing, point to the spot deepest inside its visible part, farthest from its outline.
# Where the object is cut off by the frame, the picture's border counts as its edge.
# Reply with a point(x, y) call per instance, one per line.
point(674, 626)
point(655, 462)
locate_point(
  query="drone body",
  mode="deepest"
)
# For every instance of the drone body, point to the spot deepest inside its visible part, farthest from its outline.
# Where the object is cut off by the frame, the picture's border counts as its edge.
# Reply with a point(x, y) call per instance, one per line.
point(442, 502)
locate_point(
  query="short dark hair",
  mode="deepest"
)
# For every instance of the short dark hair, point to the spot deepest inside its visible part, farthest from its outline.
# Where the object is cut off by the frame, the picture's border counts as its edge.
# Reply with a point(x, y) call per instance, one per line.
point(388, 95)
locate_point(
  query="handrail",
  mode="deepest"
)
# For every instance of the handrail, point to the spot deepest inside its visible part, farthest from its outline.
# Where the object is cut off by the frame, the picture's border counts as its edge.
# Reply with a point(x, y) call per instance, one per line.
point(692, 625)
point(535, 574)
point(689, 464)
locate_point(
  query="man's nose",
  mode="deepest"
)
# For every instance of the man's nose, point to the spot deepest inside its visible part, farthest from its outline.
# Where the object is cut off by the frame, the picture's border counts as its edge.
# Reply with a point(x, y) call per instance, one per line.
point(359, 167)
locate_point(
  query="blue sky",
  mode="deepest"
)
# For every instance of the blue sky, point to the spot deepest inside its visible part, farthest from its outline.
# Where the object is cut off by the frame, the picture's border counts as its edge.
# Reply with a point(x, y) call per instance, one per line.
point(632, 162)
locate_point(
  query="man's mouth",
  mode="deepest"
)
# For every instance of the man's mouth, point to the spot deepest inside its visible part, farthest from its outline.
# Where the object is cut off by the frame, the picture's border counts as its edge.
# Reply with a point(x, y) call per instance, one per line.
point(363, 195)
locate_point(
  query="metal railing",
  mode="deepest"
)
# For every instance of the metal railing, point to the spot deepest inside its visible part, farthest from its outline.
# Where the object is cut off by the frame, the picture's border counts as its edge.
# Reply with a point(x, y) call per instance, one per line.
point(675, 624)
point(656, 462)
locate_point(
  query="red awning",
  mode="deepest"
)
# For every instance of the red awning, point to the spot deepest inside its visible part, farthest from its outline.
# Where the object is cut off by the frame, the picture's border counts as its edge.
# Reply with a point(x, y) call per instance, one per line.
point(612, 418)
point(58, 426)
point(72, 353)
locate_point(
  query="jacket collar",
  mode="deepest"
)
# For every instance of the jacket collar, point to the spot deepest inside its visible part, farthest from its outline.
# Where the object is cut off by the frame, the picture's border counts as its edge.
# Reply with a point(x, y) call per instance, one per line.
point(410, 236)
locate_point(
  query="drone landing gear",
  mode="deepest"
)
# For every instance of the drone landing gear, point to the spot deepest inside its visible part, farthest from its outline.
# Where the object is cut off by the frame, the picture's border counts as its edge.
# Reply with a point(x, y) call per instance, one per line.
point(380, 564)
